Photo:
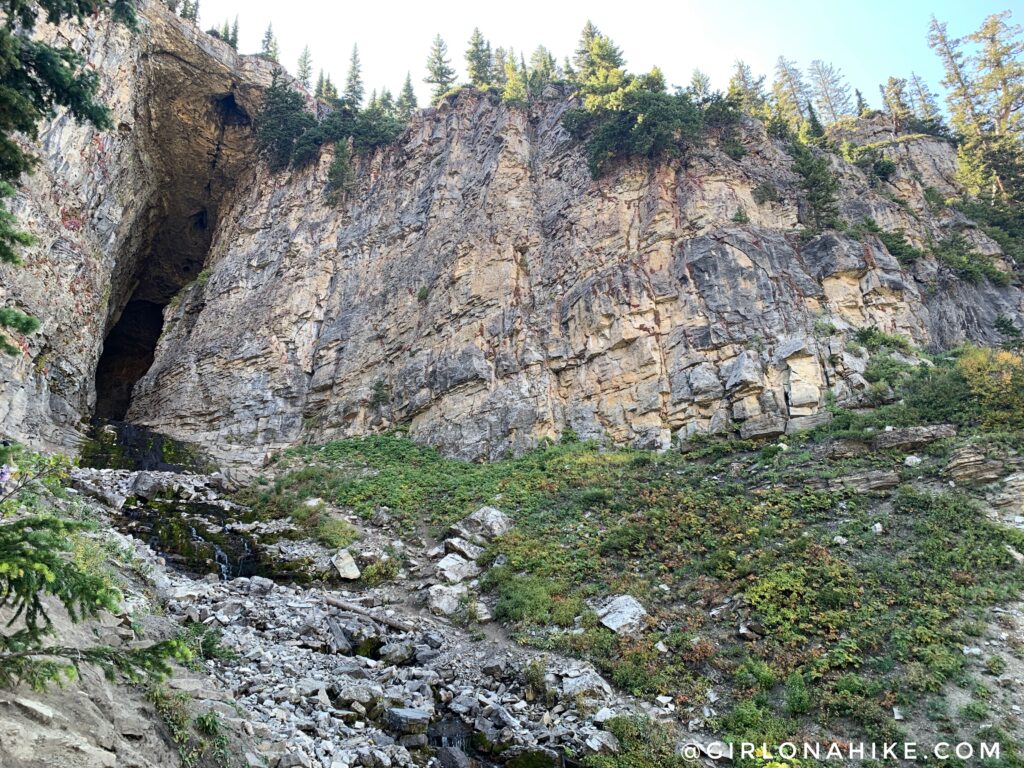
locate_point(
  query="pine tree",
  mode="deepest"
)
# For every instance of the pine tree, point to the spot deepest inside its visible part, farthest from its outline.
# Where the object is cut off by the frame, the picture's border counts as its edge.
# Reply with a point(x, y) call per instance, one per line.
point(819, 186)
point(543, 69)
point(386, 102)
point(330, 90)
point(354, 82)
point(233, 34)
point(304, 71)
point(700, 86)
point(515, 89)
point(406, 102)
point(831, 93)
point(582, 61)
point(811, 131)
point(861, 106)
point(789, 93)
point(269, 45)
point(922, 100)
point(478, 60)
point(894, 102)
point(440, 73)
point(190, 10)
point(318, 92)
point(498, 59)
point(746, 90)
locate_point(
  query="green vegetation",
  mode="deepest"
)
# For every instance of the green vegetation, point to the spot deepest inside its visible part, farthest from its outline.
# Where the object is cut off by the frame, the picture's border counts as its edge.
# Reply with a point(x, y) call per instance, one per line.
point(41, 555)
point(291, 137)
point(201, 739)
point(644, 743)
point(818, 183)
point(847, 632)
point(956, 254)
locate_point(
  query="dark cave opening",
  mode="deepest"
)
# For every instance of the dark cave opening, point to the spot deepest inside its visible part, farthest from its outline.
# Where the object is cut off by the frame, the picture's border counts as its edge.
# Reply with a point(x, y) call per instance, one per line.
point(202, 146)
point(127, 355)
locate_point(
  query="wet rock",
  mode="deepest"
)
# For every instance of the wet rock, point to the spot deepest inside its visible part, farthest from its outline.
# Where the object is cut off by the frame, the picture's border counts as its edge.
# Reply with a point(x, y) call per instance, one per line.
point(453, 757)
point(407, 720)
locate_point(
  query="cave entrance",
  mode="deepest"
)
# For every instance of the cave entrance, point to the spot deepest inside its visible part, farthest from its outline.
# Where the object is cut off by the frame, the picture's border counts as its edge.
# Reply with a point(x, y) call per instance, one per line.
point(200, 143)
point(127, 355)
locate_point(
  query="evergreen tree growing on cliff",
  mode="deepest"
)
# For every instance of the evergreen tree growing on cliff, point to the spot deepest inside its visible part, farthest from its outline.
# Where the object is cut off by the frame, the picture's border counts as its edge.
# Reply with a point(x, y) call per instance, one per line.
point(861, 107)
point(268, 47)
point(831, 92)
point(405, 105)
point(747, 91)
point(789, 93)
point(440, 73)
point(304, 71)
point(354, 82)
point(478, 60)
point(233, 34)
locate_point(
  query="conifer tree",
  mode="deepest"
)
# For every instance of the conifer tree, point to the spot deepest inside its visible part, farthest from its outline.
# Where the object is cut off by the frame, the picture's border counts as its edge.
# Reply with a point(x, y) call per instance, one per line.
point(498, 59)
point(582, 61)
point(320, 83)
point(700, 86)
point(330, 90)
point(894, 101)
point(269, 45)
point(746, 90)
point(233, 34)
point(405, 105)
point(922, 100)
point(811, 131)
point(515, 89)
point(861, 107)
point(478, 60)
point(789, 93)
point(831, 93)
point(440, 73)
point(304, 71)
point(354, 82)
point(543, 69)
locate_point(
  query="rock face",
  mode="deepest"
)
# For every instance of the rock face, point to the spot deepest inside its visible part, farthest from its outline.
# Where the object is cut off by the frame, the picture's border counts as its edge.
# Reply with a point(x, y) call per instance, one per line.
point(477, 284)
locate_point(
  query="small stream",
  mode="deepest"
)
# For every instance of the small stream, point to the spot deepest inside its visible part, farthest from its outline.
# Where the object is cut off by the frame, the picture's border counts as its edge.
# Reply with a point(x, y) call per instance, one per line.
point(194, 538)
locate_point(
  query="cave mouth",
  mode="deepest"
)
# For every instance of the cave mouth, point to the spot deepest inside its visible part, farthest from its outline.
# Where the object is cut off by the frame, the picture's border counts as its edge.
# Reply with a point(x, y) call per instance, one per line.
point(200, 144)
point(127, 355)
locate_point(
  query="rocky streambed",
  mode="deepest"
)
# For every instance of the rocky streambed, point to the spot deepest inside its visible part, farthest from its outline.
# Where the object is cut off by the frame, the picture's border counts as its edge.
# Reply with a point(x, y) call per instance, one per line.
point(332, 672)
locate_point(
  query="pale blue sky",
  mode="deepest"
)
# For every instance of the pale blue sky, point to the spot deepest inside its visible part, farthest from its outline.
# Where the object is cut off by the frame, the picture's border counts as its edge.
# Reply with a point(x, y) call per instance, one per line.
point(869, 41)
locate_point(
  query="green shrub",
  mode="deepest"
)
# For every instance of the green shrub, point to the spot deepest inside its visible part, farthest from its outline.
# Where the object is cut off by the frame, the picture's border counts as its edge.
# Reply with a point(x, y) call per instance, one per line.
point(765, 192)
point(798, 698)
point(955, 252)
point(874, 339)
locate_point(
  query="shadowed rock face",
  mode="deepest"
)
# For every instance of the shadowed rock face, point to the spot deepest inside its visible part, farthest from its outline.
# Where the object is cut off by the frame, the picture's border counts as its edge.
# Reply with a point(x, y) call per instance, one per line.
point(477, 284)
point(122, 219)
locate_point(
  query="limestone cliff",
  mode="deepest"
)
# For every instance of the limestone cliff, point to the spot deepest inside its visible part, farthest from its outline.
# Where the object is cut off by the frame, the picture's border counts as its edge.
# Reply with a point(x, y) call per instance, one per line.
point(476, 285)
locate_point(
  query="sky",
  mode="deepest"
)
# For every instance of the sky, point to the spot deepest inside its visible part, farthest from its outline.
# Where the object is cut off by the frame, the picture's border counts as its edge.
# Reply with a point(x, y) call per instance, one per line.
point(868, 41)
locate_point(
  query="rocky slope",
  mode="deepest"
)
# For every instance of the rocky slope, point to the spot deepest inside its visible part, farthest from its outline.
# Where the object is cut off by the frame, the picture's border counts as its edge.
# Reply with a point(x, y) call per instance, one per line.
point(477, 284)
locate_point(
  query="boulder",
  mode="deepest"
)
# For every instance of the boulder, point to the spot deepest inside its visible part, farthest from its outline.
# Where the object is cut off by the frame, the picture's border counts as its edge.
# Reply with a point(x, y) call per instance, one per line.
point(623, 615)
point(345, 565)
point(483, 525)
point(455, 568)
point(405, 720)
point(444, 600)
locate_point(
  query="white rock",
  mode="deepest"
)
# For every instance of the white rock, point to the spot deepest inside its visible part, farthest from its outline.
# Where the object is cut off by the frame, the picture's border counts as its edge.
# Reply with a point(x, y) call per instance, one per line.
point(622, 614)
point(445, 600)
point(840, 540)
point(912, 461)
point(877, 529)
point(345, 564)
point(455, 568)
point(602, 742)
point(483, 525)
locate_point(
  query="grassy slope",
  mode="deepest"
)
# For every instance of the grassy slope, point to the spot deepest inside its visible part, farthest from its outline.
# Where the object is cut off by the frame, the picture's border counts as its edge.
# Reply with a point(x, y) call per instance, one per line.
point(849, 630)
